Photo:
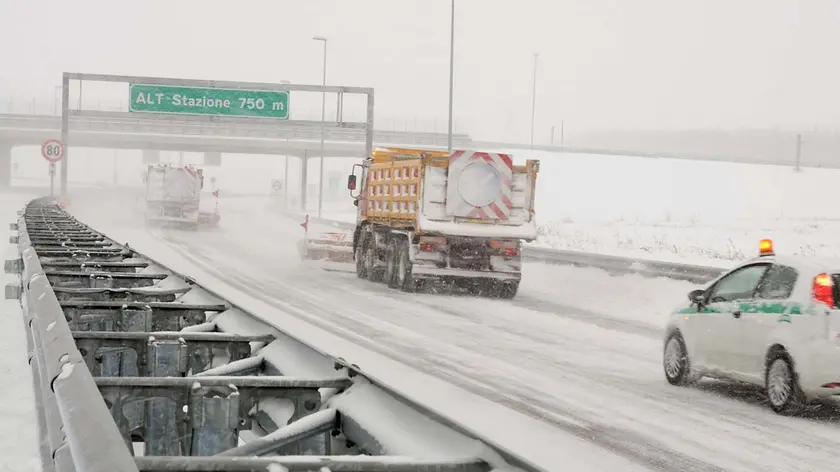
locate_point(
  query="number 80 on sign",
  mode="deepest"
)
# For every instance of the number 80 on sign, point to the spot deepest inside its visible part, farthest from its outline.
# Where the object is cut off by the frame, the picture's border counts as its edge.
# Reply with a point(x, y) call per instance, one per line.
point(52, 150)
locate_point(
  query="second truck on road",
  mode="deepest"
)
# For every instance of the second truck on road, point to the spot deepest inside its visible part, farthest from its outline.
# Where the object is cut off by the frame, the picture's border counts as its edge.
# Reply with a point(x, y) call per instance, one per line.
point(173, 195)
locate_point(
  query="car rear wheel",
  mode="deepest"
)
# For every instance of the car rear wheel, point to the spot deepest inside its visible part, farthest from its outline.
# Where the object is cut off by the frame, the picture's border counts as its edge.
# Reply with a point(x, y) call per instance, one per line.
point(675, 360)
point(782, 385)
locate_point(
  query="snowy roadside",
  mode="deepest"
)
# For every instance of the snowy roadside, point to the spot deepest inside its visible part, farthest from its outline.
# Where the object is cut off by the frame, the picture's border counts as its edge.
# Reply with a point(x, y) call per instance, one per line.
point(644, 208)
point(694, 242)
point(691, 241)
point(18, 434)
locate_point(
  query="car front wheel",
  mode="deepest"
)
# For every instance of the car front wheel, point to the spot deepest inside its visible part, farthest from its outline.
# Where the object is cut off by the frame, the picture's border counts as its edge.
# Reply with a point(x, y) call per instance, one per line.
point(675, 360)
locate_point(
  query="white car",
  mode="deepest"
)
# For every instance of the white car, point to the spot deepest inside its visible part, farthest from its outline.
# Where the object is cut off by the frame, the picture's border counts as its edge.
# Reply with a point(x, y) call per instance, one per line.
point(772, 321)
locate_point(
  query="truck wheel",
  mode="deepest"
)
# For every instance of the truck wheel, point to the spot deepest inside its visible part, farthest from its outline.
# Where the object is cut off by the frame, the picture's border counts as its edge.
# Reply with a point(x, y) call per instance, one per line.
point(405, 281)
point(361, 271)
point(374, 273)
point(507, 290)
point(391, 263)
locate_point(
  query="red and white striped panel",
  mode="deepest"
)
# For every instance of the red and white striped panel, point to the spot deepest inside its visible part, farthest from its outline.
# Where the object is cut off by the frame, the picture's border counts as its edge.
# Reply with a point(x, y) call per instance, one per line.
point(480, 185)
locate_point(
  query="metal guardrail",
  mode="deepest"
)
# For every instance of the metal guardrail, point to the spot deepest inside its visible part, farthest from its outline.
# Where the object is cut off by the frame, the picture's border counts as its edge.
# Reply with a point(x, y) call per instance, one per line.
point(138, 368)
point(611, 264)
point(184, 126)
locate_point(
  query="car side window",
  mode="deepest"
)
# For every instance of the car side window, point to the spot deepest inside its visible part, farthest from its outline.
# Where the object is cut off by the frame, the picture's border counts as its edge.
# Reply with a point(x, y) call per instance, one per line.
point(738, 285)
point(778, 284)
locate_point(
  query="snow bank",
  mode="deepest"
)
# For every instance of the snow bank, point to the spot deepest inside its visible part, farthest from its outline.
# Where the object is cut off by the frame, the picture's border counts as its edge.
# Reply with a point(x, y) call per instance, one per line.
point(681, 210)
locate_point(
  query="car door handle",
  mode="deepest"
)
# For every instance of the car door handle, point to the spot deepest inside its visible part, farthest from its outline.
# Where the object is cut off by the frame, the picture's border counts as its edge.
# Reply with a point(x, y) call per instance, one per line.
point(736, 314)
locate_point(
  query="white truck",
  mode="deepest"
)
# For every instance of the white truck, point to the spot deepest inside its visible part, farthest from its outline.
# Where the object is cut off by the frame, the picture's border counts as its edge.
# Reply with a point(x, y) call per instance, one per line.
point(426, 216)
point(173, 195)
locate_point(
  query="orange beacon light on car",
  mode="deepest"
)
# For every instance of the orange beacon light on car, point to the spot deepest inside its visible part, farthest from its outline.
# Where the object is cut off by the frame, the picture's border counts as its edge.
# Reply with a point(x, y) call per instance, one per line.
point(765, 247)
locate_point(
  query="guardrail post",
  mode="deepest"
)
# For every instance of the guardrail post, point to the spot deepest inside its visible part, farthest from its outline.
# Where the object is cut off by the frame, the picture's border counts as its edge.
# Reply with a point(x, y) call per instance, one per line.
point(121, 362)
point(13, 265)
point(165, 358)
point(214, 413)
point(136, 320)
point(112, 361)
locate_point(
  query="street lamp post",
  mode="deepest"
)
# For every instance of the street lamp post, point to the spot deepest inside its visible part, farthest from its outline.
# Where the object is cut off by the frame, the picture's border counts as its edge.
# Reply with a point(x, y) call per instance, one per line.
point(323, 108)
point(451, 72)
point(534, 100)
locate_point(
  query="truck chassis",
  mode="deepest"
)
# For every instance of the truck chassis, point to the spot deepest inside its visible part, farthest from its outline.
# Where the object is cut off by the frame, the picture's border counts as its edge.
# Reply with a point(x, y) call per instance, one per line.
point(409, 262)
point(160, 214)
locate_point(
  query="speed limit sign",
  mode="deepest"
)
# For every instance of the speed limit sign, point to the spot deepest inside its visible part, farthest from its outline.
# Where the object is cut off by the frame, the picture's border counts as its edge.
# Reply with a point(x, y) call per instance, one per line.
point(52, 150)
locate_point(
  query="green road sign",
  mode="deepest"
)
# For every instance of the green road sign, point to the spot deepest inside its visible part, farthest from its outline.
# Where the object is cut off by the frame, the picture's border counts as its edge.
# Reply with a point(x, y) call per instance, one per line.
point(208, 101)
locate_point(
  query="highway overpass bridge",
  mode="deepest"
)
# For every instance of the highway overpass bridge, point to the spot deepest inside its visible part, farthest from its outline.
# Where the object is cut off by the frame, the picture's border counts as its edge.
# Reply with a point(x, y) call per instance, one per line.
point(121, 130)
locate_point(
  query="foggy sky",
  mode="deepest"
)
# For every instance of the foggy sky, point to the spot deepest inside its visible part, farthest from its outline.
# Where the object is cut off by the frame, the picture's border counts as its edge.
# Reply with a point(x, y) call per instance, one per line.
point(603, 63)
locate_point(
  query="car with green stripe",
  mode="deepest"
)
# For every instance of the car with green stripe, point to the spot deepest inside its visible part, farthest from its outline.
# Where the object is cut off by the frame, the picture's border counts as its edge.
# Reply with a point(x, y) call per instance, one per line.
point(773, 321)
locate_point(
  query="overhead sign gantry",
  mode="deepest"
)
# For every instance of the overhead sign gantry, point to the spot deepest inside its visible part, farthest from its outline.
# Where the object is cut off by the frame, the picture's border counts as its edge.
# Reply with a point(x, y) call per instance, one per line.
point(162, 99)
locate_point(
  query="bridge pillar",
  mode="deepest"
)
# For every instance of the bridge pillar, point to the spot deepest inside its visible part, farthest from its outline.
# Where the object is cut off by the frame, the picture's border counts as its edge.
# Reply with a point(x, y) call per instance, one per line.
point(213, 159)
point(5, 164)
point(151, 157)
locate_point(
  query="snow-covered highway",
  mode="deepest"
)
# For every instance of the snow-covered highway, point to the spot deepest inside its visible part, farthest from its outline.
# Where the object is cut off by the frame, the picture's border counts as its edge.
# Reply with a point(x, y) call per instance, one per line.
point(578, 352)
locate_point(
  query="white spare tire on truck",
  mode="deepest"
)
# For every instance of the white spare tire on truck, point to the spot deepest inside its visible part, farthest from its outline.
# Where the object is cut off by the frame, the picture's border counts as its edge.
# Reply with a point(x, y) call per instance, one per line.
point(480, 185)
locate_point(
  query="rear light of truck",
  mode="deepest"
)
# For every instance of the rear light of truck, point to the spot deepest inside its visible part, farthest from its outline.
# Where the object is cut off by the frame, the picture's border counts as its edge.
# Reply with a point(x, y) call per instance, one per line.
point(823, 289)
point(432, 243)
point(509, 248)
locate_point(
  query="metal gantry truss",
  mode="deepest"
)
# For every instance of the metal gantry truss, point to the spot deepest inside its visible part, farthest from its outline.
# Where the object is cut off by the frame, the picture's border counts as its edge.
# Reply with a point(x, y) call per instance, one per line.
point(339, 123)
point(133, 372)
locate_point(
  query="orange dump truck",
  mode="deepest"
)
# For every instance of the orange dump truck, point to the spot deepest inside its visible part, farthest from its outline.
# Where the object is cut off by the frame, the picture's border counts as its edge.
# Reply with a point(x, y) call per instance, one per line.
point(434, 216)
